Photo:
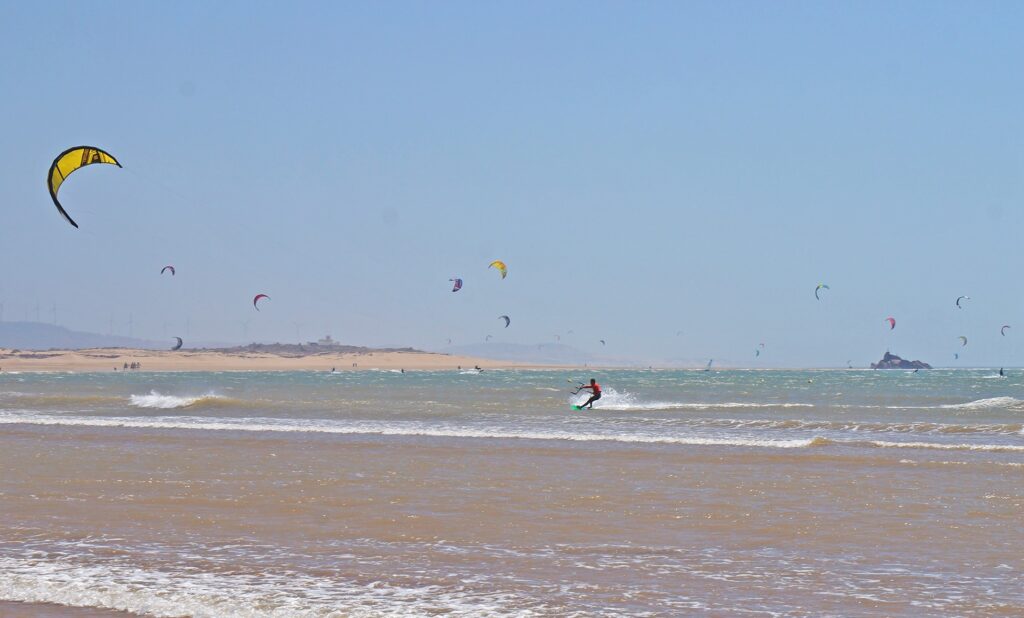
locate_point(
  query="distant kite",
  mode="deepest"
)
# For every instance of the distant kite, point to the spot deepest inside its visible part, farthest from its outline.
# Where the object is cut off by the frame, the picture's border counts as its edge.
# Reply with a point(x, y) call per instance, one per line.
point(507, 319)
point(487, 338)
point(1002, 331)
point(67, 162)
point(892, 322)
point(168, 268)
point(256, 299)
point(602, 342)
point(963, 340)
point(960, 298)
point(821, 286)
point(500, 266)
point(177, 346)
point(458, 284)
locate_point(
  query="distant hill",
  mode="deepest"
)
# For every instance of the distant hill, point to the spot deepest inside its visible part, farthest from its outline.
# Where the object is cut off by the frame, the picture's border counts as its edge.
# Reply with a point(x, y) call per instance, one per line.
point(39, 336)
point(300, 350)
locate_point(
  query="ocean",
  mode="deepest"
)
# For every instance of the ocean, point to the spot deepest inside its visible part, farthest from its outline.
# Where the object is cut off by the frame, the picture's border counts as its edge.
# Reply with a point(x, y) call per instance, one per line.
point(722, 493)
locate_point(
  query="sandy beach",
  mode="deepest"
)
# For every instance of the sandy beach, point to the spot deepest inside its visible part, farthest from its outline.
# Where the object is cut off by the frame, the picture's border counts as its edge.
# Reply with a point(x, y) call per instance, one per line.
point(107, 359)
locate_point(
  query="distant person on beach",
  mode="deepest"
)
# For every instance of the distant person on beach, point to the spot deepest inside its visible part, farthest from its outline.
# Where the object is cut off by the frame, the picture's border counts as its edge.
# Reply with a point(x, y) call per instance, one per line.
point(594, 388)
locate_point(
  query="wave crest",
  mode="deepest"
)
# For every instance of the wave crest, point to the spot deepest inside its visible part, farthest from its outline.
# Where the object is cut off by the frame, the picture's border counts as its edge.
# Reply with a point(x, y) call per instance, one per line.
point(625, 402)
point(170, 402)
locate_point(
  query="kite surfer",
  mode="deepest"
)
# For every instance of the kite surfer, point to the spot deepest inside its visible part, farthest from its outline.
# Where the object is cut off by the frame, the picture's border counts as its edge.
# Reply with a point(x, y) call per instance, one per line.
point(595, 389)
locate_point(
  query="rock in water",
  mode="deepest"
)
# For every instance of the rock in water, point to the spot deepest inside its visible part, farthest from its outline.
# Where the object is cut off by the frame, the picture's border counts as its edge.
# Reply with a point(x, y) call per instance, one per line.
point(891, 361)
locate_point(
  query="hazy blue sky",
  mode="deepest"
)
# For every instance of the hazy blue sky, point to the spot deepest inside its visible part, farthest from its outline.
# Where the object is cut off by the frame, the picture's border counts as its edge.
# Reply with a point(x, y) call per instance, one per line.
point(643, 168)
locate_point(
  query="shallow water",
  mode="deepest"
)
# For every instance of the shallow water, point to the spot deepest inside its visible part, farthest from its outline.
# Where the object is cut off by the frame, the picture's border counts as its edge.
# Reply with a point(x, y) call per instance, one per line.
point(799, 493)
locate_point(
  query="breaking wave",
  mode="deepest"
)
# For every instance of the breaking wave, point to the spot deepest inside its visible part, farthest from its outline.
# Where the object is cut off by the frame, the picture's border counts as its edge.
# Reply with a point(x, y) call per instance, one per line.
point(389, 429)
point(613, 400)
point(169, 402)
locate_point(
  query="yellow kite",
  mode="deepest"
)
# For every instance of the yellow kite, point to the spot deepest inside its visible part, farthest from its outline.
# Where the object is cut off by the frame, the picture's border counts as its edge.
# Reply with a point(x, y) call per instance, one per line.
point(69, 161)
point(500, 266)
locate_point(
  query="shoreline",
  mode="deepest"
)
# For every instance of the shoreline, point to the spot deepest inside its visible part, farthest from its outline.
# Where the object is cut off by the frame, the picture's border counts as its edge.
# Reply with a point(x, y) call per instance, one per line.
point(42, 609)
point(109, 360)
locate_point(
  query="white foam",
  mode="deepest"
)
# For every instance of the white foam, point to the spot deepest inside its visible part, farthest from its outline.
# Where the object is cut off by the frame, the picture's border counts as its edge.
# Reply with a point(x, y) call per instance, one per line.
point(167, 402)
point(978, 404)
point(152, 592)
point(384, 429)
point(613, 400)
point(984, 404)
point(998, 448)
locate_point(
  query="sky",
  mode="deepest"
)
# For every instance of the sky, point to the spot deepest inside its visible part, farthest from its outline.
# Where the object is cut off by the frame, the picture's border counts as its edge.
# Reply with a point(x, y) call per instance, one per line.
point(644, 169)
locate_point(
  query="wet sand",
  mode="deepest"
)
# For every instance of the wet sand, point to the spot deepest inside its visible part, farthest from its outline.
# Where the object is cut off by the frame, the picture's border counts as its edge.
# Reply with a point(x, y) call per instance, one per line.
point(14, 609)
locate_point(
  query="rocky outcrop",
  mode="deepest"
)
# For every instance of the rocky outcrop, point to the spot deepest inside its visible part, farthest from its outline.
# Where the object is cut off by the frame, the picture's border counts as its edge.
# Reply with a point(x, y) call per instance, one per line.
point(891, 361)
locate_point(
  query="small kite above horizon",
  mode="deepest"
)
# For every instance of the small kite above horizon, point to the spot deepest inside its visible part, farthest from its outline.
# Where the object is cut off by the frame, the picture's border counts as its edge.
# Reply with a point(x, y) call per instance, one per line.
point(257, 298)
point(963, 340)
point(500, 266)
point(507, 319)
point(69, 161)
point(488, 338)
point(1002, 331)
point(602, 342)
point(892, 323)
point(457, 284)
point(960, 298)
point(177, 346)
point(170, 268)
point(821, 286)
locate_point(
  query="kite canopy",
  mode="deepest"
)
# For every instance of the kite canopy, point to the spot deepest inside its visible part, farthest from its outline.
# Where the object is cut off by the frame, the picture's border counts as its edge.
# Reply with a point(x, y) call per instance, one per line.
point(177, 346)
point(1002, 331)
point(821, 286)
point(166, 268)
point(458, 284)
point(500, 266)
point(507, 319)
point(487, 338)
point(892, 322)
point(602, 342)
point(963, 340)
point(69, 161)
point(257, 298)
point(960, 298)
